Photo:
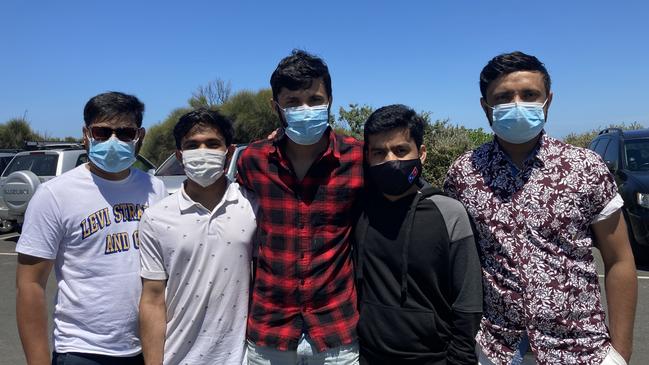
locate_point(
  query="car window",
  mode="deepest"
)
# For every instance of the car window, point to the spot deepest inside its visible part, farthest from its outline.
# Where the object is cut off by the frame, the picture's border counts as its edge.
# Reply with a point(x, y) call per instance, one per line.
point(601, 146)
point(171, 167)
point(4, 161)
point(637, 154)
point(81, 160)
point(593, 144)
point(40, 164)
point(143, 165)
point(612, 151)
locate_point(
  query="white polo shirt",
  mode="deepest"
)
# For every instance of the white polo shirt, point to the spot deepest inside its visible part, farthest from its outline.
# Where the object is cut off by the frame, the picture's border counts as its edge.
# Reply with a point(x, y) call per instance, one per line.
point(205, 258)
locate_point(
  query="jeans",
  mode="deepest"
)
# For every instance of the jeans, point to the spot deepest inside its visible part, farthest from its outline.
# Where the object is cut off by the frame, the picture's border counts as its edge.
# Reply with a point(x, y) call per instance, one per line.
point(74, 358)
point(305, 354)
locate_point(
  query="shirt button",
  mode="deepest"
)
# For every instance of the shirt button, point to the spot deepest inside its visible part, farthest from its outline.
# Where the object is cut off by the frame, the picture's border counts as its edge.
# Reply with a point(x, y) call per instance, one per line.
point(302, 282)
point(301, 255)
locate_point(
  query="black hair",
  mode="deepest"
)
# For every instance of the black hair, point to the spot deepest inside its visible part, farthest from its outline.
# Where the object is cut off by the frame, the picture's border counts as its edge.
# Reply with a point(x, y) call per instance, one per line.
point(507, 63)
point(206, 118)
point(298, 71)
point(113, 105)
point(396, 116)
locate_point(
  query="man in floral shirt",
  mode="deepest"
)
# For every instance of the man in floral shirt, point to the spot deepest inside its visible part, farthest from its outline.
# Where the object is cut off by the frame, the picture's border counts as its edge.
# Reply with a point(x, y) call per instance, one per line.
point(539, 206)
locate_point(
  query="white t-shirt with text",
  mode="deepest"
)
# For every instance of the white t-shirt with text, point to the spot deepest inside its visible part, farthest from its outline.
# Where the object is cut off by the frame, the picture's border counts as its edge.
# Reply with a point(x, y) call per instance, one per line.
point(88, 225)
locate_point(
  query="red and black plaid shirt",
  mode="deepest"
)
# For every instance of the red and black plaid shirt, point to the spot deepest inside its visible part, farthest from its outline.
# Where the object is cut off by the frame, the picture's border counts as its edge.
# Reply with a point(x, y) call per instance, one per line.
point(304, 280)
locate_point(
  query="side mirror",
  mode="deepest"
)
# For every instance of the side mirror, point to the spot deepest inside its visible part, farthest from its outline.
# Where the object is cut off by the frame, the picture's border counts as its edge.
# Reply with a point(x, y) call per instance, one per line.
point(612, 165)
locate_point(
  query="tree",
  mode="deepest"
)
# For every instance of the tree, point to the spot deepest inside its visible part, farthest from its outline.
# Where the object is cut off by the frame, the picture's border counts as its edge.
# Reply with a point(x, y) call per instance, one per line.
point(252, 115)
point(159, 142)
point(211, 95)
point(15, 132)
point(444, 144)
point(355, 118)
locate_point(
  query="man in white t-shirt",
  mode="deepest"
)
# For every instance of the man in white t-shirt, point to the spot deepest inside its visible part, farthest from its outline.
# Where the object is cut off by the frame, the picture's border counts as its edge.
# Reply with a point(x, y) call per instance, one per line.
point(196, 252)
point(84, 224)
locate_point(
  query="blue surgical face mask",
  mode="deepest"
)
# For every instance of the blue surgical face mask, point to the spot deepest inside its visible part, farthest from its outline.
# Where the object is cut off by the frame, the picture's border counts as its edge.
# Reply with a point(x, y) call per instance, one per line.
point(306, 124)
point(112, 155)
point(518, 122)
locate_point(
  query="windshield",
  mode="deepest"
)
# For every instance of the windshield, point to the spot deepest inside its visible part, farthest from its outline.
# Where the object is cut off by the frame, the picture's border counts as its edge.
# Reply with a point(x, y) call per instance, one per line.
point(40, 164)
point(637, 154)
point(171, 167)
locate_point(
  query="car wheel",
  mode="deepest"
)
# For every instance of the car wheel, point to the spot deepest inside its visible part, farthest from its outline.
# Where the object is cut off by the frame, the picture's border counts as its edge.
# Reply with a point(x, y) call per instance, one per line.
point(6, 226)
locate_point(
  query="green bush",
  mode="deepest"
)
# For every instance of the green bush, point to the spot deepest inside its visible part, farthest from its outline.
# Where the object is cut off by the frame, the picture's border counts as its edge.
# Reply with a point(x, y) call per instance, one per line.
point(584, 139)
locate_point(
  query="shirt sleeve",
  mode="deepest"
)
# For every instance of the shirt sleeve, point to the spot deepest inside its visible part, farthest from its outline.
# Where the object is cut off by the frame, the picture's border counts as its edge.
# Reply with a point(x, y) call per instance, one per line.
point(449, 182)
point(151, 257)
point(160, 191)
point(610, 208)
point(601, 186)
point(466, 281)
point(43, 229)
point(242, 176)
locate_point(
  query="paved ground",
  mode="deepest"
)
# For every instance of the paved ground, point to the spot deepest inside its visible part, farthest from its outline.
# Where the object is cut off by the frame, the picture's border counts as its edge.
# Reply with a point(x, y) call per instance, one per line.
point(12, 354)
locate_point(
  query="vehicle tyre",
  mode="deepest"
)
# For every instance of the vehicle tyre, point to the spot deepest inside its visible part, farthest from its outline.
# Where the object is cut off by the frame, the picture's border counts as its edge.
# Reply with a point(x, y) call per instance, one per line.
point(7, 226)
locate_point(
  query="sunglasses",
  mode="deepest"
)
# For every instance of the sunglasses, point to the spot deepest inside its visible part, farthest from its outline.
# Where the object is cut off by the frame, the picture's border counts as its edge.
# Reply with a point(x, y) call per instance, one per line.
point(104, 133)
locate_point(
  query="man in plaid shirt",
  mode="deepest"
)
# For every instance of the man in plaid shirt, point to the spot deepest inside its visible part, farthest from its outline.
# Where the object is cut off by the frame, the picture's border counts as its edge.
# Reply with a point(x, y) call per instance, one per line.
point(307, 180)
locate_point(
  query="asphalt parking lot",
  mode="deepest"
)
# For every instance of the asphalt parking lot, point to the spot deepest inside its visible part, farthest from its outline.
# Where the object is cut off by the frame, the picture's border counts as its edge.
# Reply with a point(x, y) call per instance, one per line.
point(12, 354)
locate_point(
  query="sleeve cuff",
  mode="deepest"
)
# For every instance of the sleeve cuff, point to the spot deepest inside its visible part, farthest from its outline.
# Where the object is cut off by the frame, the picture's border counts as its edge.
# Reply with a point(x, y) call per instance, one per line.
point(153, 275)
point(613, 206)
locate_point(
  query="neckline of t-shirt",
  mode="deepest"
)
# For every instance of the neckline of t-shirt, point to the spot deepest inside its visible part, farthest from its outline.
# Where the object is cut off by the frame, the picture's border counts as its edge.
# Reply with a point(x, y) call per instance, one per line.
point(101, 180)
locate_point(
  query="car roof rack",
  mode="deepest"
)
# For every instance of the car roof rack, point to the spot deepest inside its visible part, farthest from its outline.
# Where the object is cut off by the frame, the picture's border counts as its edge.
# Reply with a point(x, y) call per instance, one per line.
point(51, 145)
point(610, 130)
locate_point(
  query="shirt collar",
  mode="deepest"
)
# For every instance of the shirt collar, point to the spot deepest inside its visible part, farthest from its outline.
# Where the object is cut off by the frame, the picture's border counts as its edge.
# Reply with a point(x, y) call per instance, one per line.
point(279, 141)
point(538, 155)
point(186, 203)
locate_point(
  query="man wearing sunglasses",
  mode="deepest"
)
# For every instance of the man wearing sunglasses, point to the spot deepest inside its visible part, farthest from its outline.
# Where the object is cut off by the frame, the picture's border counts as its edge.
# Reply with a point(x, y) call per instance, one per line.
point(540, 206)
point(84, 224)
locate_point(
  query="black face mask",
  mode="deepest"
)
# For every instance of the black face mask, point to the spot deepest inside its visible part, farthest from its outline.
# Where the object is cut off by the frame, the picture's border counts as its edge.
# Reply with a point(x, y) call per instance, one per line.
point(395, 177)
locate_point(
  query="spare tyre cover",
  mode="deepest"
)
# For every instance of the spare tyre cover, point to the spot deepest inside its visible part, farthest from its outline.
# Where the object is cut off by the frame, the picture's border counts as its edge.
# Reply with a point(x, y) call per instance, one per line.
point(18, 189)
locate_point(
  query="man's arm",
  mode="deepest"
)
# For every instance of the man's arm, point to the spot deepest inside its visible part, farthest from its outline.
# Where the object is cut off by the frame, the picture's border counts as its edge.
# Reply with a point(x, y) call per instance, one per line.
point(467, 304)
point(466, 282)
point(621, 280)
point(153, 320)
point(31, 308)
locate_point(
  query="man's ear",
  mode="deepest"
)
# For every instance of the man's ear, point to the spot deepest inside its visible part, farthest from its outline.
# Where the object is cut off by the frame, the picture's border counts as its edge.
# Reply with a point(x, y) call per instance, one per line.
point(547, 105)
point(487, 110)
point(85, 141)
point(273, 105)
point(140, 141)
point(179, 156)
point(422, 154)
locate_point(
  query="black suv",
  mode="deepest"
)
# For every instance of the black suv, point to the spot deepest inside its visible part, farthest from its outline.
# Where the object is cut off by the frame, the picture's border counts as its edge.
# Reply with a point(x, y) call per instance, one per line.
point(626, 154)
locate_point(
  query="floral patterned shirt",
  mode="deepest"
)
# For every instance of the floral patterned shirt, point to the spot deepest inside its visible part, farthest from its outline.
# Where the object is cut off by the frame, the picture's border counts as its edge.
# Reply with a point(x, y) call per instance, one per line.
point(535, 243)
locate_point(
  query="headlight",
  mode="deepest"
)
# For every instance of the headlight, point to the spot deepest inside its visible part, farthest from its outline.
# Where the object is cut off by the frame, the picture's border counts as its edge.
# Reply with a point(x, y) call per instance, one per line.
point(642, 199)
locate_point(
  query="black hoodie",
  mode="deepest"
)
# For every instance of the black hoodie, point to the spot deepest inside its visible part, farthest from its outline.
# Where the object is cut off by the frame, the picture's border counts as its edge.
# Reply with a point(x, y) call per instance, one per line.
point(419, 281)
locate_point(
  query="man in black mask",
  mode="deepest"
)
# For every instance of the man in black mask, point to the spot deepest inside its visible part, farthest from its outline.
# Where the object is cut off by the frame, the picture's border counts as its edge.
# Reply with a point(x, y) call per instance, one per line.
point(419, 280)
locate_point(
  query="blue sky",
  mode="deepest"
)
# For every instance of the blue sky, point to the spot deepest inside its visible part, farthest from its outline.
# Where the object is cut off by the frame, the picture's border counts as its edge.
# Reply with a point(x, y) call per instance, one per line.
point(55, 55)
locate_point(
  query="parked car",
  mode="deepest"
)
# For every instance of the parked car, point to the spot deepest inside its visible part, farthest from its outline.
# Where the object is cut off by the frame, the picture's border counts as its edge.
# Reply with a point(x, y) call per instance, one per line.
point(626, 154)
point(172, 174)
point(5, 157)
point(41, 162)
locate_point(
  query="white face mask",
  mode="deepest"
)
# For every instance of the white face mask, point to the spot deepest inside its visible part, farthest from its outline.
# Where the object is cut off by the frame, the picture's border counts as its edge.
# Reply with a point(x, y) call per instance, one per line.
point(203, 165)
